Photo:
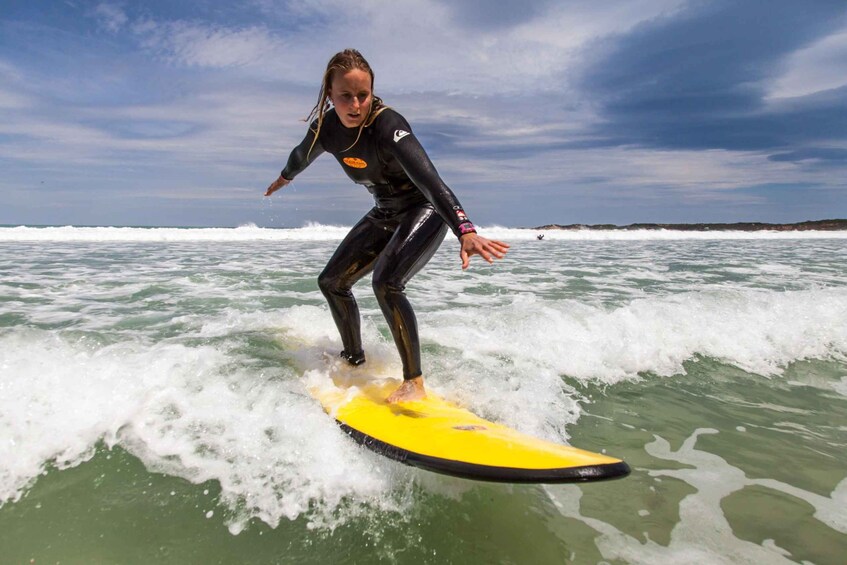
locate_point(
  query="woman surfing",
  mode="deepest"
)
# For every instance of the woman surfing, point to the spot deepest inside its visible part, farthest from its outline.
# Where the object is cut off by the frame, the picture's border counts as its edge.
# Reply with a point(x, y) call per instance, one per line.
point(413, 210)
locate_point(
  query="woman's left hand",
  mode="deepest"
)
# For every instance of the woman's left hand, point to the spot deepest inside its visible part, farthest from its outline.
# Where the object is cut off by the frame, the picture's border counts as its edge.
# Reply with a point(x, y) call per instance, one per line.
point(488, 249)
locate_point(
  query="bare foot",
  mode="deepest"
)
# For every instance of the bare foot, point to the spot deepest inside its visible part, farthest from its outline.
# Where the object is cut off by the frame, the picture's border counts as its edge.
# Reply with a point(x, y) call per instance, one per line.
point(413, 389)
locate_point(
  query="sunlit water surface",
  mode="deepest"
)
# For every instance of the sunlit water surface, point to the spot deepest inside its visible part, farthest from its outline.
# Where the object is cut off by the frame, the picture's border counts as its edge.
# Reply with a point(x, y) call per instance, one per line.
point(153, 401)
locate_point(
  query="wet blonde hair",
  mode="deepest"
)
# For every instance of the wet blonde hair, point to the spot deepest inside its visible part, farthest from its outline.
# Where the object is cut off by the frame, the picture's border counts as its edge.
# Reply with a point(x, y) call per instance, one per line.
point(343, 62)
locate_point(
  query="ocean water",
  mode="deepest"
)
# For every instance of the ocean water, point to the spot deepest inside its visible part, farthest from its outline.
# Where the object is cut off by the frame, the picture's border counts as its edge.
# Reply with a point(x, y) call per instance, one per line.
point(153, 402)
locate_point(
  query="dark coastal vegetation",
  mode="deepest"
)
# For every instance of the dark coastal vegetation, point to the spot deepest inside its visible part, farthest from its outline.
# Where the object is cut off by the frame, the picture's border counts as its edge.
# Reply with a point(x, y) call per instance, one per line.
point(813, 225)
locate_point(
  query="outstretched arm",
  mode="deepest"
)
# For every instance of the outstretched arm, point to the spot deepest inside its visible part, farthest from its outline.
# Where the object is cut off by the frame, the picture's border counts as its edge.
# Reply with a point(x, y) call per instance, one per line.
point(300, 158)
point(416, 163)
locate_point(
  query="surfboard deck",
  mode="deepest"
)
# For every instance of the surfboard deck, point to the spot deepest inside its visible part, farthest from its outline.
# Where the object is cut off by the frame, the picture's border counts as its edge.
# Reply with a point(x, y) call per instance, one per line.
point(439, 436)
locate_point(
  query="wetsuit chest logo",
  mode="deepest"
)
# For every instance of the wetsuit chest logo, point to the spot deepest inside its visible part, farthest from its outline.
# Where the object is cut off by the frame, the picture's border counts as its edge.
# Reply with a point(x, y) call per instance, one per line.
point(355, 162)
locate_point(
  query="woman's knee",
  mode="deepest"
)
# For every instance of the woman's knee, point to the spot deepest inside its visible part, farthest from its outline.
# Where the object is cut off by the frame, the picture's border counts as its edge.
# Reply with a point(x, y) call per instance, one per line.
point(384, 285)
point(330, 284)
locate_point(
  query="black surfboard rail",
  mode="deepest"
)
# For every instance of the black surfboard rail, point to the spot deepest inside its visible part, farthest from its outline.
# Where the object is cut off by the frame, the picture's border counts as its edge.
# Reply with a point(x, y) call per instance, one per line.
point(588, 473)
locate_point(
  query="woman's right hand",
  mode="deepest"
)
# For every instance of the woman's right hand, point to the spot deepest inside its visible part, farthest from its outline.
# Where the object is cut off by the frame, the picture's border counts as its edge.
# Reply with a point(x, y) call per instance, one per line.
point(276, 185)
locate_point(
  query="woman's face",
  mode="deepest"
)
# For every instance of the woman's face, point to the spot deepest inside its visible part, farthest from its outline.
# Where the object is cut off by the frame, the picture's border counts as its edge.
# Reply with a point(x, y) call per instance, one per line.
point(351, 95)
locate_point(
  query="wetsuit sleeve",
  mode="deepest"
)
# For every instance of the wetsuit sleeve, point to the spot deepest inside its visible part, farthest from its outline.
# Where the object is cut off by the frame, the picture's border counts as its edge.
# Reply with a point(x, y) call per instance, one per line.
point(301, 156)
point(402, 144)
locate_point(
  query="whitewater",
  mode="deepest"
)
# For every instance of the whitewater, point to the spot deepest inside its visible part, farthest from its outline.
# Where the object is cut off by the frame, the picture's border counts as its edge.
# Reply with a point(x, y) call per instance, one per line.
point(172, 364)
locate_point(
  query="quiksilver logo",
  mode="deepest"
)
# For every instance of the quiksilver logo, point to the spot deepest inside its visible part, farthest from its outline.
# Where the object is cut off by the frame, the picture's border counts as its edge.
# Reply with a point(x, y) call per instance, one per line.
point(399, 134)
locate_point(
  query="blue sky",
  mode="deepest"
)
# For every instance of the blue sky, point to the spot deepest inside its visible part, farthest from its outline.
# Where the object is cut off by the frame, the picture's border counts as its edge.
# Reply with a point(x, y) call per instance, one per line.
point(534, 111)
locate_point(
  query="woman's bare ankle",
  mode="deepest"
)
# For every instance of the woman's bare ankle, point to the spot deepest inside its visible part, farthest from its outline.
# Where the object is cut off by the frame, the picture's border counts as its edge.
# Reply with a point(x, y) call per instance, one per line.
point(412, 389)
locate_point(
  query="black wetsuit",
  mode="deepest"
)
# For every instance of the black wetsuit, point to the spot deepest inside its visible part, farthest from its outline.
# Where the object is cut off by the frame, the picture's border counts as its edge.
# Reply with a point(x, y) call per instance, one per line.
point(396, 238)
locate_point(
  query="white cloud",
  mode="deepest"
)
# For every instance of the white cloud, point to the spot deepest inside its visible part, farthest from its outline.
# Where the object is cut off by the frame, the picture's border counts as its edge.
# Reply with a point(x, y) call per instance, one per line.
point(495, 103)
point(413, 45)
point(570, 26)
point(111, 17)
point(418, 45)
point(201, 45)
point(693, 175)
point(229, 127)
point(820, 66)
point(10, 99)
point(11, 87)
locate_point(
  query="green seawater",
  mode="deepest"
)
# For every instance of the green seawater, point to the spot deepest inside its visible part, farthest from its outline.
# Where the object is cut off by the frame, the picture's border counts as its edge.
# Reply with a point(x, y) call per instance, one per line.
point(153, 405)
point(110, 509)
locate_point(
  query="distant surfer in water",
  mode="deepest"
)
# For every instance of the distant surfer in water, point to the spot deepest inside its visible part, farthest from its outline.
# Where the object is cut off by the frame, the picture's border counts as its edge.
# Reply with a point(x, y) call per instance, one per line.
point(376, 148)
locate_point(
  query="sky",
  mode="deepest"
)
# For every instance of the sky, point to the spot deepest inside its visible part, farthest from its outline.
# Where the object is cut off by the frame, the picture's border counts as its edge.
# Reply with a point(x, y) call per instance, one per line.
point(163, 113)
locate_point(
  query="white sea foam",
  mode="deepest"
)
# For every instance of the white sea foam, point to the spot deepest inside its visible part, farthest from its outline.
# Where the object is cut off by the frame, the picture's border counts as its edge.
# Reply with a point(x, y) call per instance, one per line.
point(319, 232)
point(205, 412)
point(194, 357)
point(703, 534)
point(311, 232)
point(761, 332)
point(189, 412)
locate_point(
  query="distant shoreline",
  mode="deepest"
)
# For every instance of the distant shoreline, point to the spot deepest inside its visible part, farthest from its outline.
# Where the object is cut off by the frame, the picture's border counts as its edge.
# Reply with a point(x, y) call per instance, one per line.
point(813, 225)
point(831, 225)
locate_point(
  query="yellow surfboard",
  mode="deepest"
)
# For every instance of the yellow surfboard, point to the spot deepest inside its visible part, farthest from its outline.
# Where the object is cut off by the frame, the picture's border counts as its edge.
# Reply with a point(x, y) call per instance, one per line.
point(439, 436)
